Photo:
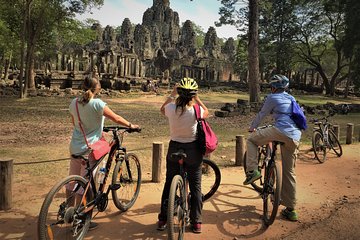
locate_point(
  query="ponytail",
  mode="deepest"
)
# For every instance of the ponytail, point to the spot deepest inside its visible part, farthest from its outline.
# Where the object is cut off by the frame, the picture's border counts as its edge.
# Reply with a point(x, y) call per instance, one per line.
point(89, 86)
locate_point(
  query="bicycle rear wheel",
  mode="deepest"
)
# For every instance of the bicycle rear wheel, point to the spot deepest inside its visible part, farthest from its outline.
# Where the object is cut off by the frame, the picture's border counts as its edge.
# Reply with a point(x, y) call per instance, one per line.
point(335, 144)
point(271, 193)
point(176, 218)
point(127, 174)
point(210, 179)
point(319, 146)
point(60, 216)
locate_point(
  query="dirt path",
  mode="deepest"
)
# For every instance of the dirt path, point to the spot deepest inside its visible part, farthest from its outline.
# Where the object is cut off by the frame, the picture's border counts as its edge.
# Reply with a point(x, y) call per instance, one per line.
point(328, 206)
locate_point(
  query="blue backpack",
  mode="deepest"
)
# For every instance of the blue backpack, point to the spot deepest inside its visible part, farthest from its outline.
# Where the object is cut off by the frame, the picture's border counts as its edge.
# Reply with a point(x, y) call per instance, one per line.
point(297, 115)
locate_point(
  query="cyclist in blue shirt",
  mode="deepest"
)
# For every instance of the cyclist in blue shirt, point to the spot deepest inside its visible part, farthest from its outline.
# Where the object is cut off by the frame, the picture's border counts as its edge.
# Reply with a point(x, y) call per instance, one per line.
point(278, 103)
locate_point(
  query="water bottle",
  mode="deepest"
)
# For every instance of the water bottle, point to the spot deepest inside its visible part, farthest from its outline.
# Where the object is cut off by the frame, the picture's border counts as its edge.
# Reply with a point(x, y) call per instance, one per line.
point(102, 172)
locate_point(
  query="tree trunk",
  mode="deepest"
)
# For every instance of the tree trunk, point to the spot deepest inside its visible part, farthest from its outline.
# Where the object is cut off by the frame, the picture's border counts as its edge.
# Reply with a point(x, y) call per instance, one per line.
point(7, 67)
point(23, 88)
point(30, 77)
point(253, 51)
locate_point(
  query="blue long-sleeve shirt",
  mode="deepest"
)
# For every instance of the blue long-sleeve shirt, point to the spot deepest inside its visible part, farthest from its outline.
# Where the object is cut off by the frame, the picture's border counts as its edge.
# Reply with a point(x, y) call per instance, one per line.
point(279, 105)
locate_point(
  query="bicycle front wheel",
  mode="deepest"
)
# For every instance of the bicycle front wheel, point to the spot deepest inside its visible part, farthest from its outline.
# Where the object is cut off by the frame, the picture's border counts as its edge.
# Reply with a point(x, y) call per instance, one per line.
point(263, 154)
point(319, 146)
point(335, 144)
point(127, 174)
point(61, 215)
point(176, 218)
point(210, 179)
point(271, 193)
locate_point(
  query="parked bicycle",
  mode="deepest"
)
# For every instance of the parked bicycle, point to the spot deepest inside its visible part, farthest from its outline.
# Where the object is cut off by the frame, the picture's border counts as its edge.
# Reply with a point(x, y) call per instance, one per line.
point(324, 139)
point(179, 197)
point(68, 207)
point(269, 185)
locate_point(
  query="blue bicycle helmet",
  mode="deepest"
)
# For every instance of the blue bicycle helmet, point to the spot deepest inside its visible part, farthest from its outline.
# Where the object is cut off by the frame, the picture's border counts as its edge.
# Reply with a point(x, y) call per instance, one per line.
point(279, 81)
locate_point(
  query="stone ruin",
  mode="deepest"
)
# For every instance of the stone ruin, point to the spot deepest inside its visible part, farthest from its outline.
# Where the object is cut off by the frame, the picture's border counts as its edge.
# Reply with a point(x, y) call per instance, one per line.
point(159, 48)
point(243, 107)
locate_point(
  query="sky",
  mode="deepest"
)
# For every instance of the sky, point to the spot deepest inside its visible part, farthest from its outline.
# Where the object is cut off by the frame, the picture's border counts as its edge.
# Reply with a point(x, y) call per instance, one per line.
point(202, 12)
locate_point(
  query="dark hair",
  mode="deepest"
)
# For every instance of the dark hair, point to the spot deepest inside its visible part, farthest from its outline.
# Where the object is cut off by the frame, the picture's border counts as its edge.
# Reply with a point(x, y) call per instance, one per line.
point(182, 101)
point(89, 86)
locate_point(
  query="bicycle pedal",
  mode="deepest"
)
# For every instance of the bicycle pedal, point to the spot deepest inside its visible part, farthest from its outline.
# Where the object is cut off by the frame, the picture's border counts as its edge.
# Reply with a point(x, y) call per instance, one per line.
point(114, 187)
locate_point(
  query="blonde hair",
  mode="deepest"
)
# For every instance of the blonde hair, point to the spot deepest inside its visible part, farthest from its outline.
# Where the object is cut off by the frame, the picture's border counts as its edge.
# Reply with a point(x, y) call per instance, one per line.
point(89, 86)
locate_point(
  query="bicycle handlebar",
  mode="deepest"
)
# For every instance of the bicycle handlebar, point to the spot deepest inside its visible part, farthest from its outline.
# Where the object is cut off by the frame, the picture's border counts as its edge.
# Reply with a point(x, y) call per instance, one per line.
point(117, 128)
point(316, 120)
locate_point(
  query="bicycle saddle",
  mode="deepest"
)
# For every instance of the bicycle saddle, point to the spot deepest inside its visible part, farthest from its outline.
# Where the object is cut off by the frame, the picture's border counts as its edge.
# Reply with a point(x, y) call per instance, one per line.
point(179, 154)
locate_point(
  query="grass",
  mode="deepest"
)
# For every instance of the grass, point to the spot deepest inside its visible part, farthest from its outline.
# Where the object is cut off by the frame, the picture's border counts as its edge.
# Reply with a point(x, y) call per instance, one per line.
point(39, 129)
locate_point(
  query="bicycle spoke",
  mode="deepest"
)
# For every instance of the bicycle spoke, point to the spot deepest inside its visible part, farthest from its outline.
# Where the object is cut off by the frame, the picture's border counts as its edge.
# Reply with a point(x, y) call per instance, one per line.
point(127, 174)
point(271, 194)
point(58, 218)
point(177, 209)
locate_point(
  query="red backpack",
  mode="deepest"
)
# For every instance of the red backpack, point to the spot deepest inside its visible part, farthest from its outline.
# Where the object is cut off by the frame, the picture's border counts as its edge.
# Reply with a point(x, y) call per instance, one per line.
point(205, 136)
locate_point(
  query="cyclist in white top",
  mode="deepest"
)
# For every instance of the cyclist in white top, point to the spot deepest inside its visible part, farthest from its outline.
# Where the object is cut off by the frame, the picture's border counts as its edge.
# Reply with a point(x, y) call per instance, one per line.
point(183, 125)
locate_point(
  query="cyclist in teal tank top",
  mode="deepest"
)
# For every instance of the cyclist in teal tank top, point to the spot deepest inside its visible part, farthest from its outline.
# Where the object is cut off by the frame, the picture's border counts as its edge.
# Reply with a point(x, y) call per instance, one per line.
point(92, 114)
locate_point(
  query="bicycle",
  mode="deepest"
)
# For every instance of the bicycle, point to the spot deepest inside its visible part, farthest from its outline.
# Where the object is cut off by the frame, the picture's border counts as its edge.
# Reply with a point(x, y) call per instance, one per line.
point(269, 185)
point(68, 207)
point(324, 138)
point(179, 198)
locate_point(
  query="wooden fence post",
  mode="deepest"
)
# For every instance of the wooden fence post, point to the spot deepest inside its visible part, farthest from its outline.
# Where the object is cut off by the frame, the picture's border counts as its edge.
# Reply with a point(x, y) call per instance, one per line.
point(156, 161)
point(240, 150)
point(337, 131)
point(349, 133)
point(6, 174)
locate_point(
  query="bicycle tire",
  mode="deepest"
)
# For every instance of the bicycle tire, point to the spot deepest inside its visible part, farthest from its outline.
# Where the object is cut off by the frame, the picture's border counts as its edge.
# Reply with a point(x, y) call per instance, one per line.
point(176, 218)
point(319, 147)
point(127, 173)
point(56, 217)
point(335, 144)
point(210, 179)
point(271, 194)
point(258, 185)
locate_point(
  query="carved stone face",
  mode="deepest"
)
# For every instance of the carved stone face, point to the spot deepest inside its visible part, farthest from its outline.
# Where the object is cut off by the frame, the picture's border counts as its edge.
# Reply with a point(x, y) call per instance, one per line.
point(165, 3)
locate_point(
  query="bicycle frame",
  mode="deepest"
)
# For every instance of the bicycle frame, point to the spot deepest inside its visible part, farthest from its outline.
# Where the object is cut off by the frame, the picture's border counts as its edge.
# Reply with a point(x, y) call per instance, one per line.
point(99, 193)
point(72, 200)
point(183, 175)
point(324, 129)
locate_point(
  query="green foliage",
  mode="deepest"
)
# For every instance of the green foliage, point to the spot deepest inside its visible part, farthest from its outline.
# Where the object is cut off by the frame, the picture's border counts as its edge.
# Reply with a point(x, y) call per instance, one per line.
point(200, 35)
point(233, 12)
point(240, 64)
point(277, 29)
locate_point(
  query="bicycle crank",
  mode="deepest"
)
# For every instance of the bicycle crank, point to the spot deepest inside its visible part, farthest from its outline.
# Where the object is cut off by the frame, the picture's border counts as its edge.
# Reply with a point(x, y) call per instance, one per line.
point(102, 202)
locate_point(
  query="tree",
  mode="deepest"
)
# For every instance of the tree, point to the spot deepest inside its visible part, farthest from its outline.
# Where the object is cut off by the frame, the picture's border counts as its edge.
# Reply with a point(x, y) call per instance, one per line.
point(200, 35)
point(352, 40)
point(277, 28)
point(234, 12)
point(253, 51)
point(36, 20)
point(321, 37)
point(9, 43)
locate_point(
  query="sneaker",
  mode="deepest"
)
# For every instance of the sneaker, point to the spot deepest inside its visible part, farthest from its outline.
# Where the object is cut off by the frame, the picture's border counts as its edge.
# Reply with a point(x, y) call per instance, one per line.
point(93, 225)
point(289, 215)
point(161, 225)
point(196, 227)
point(252, 176)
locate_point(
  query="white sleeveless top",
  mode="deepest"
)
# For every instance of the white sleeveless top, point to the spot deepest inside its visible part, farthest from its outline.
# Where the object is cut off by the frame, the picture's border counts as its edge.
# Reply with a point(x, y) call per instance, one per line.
point(182, 127)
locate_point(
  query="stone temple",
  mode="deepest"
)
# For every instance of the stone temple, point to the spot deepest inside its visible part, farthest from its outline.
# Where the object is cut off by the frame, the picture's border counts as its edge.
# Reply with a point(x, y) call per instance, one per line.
point(159, 48)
